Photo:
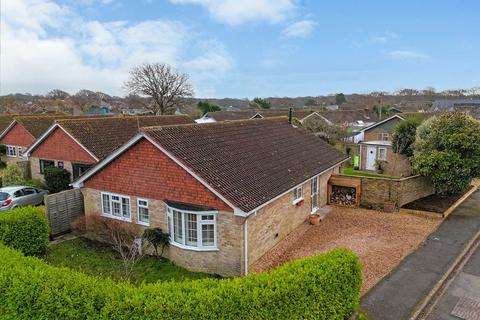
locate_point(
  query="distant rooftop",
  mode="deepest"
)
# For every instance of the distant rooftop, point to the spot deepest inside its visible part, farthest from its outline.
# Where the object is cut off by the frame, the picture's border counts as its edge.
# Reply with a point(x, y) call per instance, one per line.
point(450, 105)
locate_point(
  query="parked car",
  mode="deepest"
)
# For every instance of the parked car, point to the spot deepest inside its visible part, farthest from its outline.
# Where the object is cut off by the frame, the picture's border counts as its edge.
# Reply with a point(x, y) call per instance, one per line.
point(19, 196)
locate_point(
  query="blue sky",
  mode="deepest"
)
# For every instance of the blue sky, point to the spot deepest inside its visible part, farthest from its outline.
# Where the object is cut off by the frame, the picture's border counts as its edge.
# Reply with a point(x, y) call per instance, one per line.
point(241, 48)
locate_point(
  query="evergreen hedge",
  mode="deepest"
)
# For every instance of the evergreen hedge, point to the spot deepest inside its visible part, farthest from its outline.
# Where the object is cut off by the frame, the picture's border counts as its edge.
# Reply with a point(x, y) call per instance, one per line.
point(24, 229)
point(56, 179)
point(322, 287)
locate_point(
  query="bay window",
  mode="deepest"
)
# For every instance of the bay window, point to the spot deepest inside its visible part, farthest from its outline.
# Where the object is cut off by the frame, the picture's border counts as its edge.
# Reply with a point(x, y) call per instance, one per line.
point(116, 206)
point(194, 230)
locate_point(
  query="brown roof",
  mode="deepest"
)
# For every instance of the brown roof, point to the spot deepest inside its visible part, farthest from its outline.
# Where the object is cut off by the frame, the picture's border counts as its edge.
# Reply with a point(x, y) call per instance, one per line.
point(248, 114)
point(5, 121)
point(249, 162)
point(101, 136)
point(340, 117)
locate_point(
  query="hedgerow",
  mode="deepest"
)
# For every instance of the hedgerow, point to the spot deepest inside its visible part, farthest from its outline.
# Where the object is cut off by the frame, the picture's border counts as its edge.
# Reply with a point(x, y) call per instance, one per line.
point(323, 287)
point(24, 229)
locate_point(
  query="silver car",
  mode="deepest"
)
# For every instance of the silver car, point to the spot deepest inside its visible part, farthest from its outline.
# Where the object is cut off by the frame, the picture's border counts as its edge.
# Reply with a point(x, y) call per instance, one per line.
point(19, 196)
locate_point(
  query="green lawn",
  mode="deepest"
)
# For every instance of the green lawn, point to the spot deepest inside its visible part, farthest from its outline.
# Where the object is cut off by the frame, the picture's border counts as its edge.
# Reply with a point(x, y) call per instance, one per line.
point(352, 172)
point(97, 259)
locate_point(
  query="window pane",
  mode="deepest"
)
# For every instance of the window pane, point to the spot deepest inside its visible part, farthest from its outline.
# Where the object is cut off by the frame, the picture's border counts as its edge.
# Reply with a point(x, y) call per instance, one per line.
point(191, 225)
point(208, 235)
point(209, 217)
point(106, 203)
point(177, 226)
point(116, 208)
point(143, 214)
point(126, 207)
point(142, 203)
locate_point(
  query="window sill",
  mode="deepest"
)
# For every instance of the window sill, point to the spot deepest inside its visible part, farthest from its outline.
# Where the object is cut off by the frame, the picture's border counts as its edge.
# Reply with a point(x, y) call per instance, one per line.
point(297, 201)
point(314, 211)
point(145, 224)
point(116, 218)
point(181, 246)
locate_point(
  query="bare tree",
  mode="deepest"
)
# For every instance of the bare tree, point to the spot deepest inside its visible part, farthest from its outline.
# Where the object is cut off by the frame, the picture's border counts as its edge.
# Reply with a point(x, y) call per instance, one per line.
point(165, 85)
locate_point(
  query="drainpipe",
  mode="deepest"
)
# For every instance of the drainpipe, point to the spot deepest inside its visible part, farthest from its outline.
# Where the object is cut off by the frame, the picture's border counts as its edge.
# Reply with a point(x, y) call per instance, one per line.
point(245, 245)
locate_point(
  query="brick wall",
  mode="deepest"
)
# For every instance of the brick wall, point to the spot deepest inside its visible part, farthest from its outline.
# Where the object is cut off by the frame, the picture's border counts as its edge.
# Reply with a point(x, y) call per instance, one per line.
point(17, 136)
point(386, 127)
point(226, 261)
point(59, 146)
point(276, 220)
point(145, 171)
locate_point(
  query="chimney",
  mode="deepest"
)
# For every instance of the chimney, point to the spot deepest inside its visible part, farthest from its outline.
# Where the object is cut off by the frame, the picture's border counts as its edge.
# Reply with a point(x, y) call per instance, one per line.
point(290, 115)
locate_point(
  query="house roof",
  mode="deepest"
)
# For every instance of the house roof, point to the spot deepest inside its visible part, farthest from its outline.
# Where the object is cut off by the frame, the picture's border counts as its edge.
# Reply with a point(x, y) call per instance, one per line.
point(340, 117)
point(249, 162)
point(250, 113)
point(100, 136)
point(5, 121)
point(383, 121)
point(450, 105)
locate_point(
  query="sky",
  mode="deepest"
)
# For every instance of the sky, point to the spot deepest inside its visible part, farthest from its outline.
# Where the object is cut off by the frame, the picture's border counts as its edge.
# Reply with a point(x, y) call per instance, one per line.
point(241, 48)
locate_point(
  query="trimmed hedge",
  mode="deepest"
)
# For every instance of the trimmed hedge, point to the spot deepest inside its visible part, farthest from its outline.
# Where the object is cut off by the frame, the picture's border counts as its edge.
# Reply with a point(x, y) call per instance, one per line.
point(56, 179)
point(24, 229)
point(323, 287)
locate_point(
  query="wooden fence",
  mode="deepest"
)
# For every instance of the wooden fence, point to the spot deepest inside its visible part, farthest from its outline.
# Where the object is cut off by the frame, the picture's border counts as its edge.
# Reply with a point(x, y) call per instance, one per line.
point(62, 209)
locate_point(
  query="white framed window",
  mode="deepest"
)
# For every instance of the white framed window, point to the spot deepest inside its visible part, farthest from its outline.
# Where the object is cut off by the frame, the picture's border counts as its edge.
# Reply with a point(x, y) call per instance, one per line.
point(383, 136)
point(297, 194)
point(116, 206)
point(143, 214)
point(12, 151)
point(314, 194)
point(195, 230)
point(382, 153)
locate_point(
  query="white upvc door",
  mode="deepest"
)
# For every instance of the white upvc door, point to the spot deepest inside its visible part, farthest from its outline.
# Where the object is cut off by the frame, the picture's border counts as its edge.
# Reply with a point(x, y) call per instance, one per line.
point(371, 156)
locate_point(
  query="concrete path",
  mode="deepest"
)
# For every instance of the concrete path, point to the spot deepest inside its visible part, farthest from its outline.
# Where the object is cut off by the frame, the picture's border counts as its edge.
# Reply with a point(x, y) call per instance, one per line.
point(396, 296)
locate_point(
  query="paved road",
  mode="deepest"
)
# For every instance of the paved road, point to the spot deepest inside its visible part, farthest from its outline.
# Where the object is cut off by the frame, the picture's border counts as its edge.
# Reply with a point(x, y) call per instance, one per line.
point(462, 297)
point(396, 296)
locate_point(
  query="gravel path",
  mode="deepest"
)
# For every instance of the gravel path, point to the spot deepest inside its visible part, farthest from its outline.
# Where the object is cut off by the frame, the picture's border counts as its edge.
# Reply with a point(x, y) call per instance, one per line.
point(381, 240)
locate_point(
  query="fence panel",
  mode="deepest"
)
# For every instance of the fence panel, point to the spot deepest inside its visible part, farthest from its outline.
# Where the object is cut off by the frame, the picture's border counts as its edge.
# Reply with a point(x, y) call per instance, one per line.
point(62, 209)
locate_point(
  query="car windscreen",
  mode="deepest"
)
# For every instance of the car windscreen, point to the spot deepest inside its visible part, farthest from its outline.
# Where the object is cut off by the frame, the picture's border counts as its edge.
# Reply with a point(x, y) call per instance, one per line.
point(4, 196)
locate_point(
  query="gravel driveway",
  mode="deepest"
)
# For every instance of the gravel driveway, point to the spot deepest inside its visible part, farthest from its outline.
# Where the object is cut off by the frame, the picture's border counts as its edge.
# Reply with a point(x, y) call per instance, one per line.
point(381, 240)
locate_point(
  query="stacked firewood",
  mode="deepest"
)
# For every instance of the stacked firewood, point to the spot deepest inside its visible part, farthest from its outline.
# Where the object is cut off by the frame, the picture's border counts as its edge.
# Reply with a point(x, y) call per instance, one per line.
point(345, 196)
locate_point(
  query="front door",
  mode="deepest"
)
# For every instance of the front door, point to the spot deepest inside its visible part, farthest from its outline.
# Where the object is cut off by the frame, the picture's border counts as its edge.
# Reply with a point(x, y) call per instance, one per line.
point(371, 156)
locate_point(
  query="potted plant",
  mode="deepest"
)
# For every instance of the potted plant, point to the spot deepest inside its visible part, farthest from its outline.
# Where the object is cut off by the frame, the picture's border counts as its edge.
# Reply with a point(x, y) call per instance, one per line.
point(300, 203)
point(380, 165)
point(314, 219)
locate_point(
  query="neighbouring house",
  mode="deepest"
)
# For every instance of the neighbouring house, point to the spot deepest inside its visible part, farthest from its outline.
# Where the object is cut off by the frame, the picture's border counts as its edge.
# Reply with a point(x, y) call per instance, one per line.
point(77, 144)
point(469, 106)
point(226, 192)
point(99, 111)
point(300, 114)
point(352, 120)
point(137, 111)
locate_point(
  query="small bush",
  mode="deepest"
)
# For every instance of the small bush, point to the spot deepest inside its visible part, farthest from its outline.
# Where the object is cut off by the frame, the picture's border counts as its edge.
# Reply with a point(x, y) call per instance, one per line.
point(323, 287)
point(35, 183)
point(12, 176)
point(56, 179)
point(24, 229)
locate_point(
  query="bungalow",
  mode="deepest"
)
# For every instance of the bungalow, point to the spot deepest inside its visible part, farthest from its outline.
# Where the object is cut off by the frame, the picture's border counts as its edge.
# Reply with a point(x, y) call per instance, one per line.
point(77, 144)
point(300, 114)
point(226, 192)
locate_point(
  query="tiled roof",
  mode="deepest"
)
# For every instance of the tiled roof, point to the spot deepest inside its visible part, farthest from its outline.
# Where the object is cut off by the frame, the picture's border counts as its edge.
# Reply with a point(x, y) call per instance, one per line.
point(101, 136)
point(248, 114)
point(340, 117)
point(5, 121)
point(249, 162)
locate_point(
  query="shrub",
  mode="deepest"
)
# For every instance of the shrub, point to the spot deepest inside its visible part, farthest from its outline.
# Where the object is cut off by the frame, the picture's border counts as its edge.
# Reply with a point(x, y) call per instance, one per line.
point(24, 229)
point(56, 179)
point(447, 149)
point(12, 176)
point(323, 287)
point(157, 238)
point(404, 136)
point(35, 183)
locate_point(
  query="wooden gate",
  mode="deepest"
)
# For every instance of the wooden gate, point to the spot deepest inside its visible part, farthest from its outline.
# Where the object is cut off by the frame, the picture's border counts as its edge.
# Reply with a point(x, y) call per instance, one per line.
point(62, 209)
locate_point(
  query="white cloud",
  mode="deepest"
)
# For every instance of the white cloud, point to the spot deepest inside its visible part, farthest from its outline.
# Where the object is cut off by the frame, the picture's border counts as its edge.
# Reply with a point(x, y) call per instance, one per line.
point(406, 55)
point(386, 36)
point(300, 29)
point(235, 12)
point(56, 48)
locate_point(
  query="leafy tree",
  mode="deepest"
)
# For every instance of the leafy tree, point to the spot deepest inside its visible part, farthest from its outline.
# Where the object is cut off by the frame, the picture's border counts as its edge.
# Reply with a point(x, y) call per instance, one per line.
point(382, 111)
point(340, 98)
point(12, 175)
point(404, 136)
point(310, 102)
point(56, 179)
point(157, 238)
point(259, 103)
point(57, 94)
point(447, 149)
point(162, 83)
point(206, 106)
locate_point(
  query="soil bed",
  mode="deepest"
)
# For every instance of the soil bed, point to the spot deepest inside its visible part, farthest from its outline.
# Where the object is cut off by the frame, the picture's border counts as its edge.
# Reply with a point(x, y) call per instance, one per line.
point(435, 203)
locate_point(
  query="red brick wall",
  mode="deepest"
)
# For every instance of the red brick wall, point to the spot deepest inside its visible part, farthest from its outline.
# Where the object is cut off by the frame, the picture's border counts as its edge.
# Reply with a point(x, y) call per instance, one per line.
point(59, 146)
point(145, 171)
point(18, 136)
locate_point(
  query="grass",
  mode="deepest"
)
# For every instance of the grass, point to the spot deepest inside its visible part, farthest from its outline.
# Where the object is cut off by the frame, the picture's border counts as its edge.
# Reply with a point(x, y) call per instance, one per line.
point(352, 172)
point(98, 259)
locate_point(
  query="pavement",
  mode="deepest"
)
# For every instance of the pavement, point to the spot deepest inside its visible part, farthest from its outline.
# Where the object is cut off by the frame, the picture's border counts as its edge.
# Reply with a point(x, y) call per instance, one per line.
point(397, 295)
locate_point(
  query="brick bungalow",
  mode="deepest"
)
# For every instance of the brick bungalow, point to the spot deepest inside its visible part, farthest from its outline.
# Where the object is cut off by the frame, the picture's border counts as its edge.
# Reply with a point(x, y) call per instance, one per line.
point(77, 144)
point(227, 192)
